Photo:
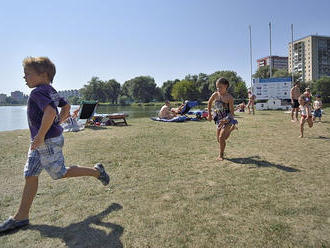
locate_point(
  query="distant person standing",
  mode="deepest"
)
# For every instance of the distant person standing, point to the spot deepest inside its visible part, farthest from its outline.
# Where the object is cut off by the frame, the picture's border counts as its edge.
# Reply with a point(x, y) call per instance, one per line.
point(252, 99)
point(317, 105)
point(294, 95)
point(305, 110)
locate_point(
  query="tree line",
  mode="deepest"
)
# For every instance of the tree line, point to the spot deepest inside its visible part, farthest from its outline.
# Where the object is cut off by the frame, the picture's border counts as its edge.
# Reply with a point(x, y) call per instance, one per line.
point(144, 89)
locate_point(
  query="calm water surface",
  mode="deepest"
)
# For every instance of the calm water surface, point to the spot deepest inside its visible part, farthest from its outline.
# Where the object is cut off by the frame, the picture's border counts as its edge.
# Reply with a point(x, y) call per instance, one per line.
point(14, 117)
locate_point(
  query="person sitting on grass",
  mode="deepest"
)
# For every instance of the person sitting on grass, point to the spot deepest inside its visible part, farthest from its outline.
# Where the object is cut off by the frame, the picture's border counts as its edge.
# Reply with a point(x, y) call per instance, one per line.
point(241, 107)
point(178, 110)
point(317, 105)
point(45, 151)
point(165, 112)
point(305, 111)
point(224, 114)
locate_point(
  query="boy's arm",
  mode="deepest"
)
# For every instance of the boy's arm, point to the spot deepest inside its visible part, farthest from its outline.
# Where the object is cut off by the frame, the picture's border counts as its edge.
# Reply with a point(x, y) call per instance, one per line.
point(65, 112)
point(46, 122)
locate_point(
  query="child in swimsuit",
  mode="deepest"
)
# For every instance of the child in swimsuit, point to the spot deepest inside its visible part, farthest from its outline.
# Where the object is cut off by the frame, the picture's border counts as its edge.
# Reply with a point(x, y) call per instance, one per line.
point(223, 114)
point(305, 110)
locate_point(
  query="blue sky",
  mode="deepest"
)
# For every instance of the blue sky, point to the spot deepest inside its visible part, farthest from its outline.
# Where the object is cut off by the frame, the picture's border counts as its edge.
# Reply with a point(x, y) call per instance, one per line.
point(165, 39)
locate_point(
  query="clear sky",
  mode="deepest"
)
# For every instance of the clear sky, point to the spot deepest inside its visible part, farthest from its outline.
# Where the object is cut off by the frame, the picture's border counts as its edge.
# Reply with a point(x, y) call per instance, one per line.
point(165, 39)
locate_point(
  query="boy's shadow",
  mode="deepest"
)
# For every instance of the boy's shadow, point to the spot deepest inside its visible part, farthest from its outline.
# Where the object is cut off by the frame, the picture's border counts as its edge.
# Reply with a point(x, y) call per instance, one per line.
point(82, 234)
point(261, 163)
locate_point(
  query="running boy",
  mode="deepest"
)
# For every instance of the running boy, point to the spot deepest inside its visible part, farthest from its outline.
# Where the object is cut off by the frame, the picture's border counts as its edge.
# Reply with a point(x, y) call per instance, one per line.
point(317, 105)
point(305, 110)
point(46, 138)
point(223, 116)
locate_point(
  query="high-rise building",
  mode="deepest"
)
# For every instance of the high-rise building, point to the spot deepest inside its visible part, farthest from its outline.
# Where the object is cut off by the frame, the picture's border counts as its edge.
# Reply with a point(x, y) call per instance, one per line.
point(311, 57)
point(278, 62)
point(3, 98)
point(17, 95)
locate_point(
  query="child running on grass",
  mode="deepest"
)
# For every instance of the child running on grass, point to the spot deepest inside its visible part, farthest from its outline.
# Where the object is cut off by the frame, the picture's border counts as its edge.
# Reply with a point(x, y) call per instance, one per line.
point(46, 138)
point(224, 114)
point(305, 110)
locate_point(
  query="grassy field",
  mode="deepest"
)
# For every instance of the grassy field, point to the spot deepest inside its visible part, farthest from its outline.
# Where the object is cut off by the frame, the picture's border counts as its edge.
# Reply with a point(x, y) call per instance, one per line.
point(168, 190)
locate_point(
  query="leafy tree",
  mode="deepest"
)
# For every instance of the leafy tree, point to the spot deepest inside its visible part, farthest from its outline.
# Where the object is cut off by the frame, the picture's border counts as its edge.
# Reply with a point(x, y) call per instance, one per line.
point(263, 72)
point(202, 84)
point(94, 90)
point(74, 100)
point(322, 87)
point(140, 89)
point(237, 86)
point(167, 88)
point(112, 90)
point(158, 95)
point(185, 90)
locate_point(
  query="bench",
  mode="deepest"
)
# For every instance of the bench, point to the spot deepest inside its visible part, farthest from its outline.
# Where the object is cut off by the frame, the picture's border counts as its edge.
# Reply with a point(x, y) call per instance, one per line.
point(111, 119)
point(118, 118)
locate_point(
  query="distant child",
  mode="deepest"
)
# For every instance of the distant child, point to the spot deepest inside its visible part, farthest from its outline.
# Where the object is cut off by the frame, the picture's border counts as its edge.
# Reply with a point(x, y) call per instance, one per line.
point(252, 98)
point(305, 110)
point(317, 105)
point(46, 138)
point(241, 107)
point(223, 115)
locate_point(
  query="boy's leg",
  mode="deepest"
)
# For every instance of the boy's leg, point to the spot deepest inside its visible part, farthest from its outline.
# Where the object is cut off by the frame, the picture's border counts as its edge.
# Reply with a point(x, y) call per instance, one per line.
point(29, 192)
point(79, 171)
point(253, 108)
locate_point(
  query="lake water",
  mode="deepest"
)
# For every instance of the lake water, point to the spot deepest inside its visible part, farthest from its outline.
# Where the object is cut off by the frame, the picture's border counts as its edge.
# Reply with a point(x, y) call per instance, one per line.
point(14, 117)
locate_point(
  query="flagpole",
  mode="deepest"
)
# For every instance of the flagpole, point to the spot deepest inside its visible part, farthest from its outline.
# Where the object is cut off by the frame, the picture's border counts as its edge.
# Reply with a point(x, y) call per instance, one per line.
point(250, 55)
point(292, 54)
point(270, 50)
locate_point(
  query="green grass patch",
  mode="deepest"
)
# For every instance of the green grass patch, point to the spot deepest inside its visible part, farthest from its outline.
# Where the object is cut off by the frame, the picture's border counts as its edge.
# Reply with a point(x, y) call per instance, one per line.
point(167, 189)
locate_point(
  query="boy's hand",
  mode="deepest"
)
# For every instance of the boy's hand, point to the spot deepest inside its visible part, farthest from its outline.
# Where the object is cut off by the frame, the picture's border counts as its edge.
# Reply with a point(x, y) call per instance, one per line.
point(37, 141)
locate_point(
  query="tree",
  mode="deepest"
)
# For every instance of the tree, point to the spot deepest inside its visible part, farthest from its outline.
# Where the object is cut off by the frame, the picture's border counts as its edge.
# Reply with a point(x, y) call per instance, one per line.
point(322, 87)
point(140, 89)
point(237, 86)
point(202, 84)
point(264, 72)
point(167, 88)
point(158, 94)
point(185, 90)
point(112, 91)
point(284, 74)
point(94, 90)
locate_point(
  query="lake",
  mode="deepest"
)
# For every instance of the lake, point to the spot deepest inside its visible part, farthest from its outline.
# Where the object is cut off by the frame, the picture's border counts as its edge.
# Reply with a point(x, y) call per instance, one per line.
point(14, 117)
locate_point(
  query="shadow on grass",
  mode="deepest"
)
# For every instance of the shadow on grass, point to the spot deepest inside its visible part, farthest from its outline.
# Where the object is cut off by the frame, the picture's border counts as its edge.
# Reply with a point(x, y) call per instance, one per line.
point(85, 233)
point(319, 137)
point(261, 163)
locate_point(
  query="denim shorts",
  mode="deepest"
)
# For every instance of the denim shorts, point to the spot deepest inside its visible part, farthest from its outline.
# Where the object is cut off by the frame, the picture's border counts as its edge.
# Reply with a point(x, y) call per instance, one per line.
point(48, 156)
point(317, 113)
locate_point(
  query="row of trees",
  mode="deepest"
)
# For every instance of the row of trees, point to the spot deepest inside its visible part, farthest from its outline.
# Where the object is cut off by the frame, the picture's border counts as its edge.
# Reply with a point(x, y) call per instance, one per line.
point(144, 88)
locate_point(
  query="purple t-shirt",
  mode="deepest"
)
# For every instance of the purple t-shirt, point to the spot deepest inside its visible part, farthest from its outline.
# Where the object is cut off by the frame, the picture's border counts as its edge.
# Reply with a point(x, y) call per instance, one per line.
point(42, 96)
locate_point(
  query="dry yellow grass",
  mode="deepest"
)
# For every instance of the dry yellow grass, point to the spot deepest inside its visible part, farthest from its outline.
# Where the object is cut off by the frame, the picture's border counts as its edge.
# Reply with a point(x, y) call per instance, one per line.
point(167, 190)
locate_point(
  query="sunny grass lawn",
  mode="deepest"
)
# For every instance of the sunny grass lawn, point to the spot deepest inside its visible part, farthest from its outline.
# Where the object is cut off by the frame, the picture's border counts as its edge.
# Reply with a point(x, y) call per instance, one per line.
point(167, 190)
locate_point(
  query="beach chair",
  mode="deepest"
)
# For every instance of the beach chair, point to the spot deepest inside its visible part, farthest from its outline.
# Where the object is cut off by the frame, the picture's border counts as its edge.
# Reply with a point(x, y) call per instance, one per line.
point(188, 105)
point(87, 111)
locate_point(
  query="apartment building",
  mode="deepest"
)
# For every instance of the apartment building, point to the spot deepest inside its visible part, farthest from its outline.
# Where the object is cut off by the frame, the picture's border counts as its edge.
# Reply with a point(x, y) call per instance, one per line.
point(310, 57)
point(277, 62)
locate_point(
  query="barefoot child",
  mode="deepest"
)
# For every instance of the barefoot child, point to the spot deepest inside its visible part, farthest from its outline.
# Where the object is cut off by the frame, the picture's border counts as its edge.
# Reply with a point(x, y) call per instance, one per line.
point(223, 116)
point(305, 111)
point(317, 105)
point(252, 98)
point(46, 138)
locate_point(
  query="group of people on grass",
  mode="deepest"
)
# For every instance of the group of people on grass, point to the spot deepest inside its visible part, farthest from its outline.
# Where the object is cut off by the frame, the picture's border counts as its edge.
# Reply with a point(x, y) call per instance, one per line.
point(47, 141)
